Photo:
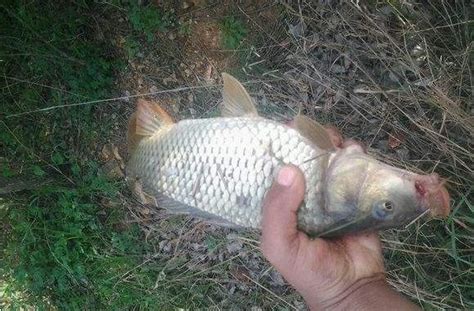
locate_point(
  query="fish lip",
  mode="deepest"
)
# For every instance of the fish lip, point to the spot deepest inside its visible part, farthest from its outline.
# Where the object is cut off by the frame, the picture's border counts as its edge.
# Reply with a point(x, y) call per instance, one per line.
point(433, 195)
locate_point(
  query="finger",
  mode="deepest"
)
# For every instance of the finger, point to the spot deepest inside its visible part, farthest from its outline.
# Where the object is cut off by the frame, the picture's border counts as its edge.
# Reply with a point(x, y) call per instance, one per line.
point(279, 223)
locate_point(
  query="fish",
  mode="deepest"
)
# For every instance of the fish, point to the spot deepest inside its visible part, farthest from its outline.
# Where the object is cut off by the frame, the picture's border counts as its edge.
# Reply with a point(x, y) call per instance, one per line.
point(220, 169)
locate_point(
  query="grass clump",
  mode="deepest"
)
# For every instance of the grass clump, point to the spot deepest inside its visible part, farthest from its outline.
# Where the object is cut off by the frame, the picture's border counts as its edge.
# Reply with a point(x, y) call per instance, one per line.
point(57, 252)
point(149, 20)
point(233, 32)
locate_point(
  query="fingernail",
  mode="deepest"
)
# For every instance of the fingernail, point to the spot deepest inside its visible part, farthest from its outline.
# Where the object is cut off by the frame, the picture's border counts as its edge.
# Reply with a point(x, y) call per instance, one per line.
point(286, 176)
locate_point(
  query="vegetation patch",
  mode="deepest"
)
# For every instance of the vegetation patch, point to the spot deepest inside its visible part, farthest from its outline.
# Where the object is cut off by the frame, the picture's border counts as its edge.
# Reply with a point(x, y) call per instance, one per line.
point(63, 242)
point(149, 19)
point(233, 32)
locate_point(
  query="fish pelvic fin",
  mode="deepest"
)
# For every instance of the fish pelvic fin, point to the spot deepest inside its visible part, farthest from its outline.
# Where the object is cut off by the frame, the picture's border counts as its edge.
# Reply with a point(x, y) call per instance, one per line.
point(236, 100)
point(313, 131)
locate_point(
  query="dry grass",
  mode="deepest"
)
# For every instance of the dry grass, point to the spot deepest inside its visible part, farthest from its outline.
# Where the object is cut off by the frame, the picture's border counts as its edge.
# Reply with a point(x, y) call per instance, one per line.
point(399, 78)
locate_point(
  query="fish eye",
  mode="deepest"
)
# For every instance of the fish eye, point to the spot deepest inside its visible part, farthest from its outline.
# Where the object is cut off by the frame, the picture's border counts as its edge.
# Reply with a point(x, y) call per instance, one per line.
point(383, 210)
point(387, 205)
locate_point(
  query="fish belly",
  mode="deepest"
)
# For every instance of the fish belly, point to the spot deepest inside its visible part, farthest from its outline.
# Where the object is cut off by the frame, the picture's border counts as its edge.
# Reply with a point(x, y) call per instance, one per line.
point(223, 167)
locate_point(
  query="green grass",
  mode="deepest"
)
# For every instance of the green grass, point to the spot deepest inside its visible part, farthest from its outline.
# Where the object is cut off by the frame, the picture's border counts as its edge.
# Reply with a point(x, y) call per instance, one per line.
point(149, 19)
point(63, 246)
point(233, 32)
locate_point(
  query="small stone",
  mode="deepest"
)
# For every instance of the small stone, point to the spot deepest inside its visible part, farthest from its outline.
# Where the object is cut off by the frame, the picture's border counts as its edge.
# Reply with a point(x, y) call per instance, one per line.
point(196, 246)
point(234, 247)
point(153, 89)
point(232, 236)
point(298, 29)
point(164, 246)
point(403, 153)
point(338, 68)
point(393, 77)
point(126, 97)
point(277, 278)
point(190, 98)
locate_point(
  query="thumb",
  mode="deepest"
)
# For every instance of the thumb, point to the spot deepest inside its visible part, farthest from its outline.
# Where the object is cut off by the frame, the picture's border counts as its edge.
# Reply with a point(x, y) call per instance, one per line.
point(279, 223)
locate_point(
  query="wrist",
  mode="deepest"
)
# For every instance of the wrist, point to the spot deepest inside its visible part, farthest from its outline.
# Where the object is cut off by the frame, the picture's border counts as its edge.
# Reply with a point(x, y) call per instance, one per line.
point(372, 293)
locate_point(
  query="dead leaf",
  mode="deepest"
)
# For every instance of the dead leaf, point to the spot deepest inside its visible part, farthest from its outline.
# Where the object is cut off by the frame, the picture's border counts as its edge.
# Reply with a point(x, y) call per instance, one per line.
point(105, 153)
point(241, 274)
point(112, 169)
point(118, 157)
point(395, 140)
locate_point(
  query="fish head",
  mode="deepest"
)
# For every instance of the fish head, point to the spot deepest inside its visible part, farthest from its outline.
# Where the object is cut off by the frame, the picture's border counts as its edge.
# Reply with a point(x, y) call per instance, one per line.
point(364, 194)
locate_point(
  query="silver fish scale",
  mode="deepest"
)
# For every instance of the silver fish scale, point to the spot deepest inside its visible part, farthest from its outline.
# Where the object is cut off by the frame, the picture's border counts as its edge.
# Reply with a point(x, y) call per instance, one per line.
point(225, 166)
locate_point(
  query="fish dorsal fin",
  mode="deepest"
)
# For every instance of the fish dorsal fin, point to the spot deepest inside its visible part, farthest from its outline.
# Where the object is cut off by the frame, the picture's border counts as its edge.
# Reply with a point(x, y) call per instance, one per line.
point(313, 131)
point(236, 100)
point(150, 118)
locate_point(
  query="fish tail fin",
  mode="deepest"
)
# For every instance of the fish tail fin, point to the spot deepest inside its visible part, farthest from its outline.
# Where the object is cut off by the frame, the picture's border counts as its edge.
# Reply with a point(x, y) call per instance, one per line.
point(132, 138)
point(148, 119)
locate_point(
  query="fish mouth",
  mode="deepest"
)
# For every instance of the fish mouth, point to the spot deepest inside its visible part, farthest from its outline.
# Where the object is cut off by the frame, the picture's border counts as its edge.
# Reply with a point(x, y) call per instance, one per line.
point(433, 195)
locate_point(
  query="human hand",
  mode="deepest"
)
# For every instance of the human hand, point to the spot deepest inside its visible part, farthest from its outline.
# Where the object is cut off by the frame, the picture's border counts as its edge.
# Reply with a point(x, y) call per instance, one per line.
point(327, 273)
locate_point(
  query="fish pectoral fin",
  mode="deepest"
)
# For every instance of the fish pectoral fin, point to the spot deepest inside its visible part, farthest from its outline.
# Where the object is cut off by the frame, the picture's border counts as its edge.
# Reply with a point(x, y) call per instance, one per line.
point(313, 131)
point(150, 118)
point(236, 100)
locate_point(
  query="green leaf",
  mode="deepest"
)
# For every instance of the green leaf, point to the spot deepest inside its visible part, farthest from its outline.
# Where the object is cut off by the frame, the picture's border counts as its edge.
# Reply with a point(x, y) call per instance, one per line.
point(38, 171)
point(57, 158)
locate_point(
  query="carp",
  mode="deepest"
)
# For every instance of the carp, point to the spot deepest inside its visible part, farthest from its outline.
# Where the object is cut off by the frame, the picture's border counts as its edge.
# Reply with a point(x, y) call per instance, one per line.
point(221, 168)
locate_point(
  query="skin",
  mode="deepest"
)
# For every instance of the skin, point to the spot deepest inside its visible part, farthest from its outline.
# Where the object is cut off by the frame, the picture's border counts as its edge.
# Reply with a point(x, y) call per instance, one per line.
point(337, 274)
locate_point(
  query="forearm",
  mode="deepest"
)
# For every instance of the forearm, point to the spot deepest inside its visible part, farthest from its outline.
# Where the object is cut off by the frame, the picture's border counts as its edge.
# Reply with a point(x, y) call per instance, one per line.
point(366, 295)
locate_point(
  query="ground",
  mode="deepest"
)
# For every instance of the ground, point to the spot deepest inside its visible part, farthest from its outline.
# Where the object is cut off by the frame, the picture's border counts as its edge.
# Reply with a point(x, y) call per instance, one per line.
point(393, 75)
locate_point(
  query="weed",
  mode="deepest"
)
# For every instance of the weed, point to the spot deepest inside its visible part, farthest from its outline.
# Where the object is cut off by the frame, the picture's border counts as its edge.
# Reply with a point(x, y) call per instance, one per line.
point(184, 28)
point(233, 32)
point(149, 19)
point(132, 47)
